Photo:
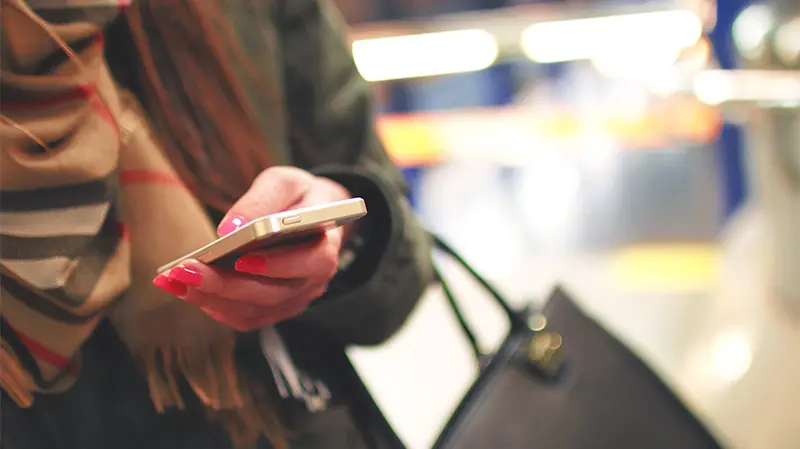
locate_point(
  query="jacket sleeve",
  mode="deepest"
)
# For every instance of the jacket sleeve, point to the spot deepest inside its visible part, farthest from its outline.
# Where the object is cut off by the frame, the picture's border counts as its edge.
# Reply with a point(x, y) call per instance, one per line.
point(332, 135)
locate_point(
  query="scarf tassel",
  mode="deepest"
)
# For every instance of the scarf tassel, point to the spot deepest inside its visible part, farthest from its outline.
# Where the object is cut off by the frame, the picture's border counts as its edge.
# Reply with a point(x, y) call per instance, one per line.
point(245, 412)
point(14, 379)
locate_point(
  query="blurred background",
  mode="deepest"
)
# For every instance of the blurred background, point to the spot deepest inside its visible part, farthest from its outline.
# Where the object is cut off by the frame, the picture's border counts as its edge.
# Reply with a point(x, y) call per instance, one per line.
point(645, 154)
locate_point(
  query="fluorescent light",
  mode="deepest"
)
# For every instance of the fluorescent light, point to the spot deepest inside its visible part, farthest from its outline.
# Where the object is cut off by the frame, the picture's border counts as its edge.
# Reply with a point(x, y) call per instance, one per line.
point(732, 356)
point(751, 29)
point(570, 40)
point(425, 54)
point(714, 87)
point(636, 62)
point(720, 86)
point(787, 42)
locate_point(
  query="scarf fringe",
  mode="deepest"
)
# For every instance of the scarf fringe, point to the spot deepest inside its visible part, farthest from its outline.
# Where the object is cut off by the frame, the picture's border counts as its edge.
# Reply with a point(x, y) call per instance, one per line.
point(239, 406)
point(245, 425)
point(14, 379)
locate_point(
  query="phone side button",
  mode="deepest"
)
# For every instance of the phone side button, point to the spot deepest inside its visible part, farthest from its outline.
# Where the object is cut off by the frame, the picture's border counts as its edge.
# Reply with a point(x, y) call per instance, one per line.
point(291, 220)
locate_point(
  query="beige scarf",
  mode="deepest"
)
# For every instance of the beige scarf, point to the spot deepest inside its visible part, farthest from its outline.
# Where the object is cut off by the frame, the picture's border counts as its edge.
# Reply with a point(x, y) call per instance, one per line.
point(90, 208)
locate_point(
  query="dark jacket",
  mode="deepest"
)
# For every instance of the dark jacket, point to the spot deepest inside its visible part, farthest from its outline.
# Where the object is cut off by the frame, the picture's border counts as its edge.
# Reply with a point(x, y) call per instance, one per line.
point(303, 49)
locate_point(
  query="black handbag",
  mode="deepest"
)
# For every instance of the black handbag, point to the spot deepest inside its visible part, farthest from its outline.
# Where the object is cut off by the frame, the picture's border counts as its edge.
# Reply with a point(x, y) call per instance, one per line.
point(558, 381)
point(561, 381)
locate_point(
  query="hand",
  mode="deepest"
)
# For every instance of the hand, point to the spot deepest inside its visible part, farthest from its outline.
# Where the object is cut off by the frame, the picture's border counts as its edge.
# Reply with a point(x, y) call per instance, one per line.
point(274, 284)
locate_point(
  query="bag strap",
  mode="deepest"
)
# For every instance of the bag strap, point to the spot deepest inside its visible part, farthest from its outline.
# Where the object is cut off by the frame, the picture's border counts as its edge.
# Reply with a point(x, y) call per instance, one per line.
point(515, 316)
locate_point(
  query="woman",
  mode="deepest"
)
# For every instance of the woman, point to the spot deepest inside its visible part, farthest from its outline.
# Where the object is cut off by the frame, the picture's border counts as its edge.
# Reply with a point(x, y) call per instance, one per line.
point(125, 134)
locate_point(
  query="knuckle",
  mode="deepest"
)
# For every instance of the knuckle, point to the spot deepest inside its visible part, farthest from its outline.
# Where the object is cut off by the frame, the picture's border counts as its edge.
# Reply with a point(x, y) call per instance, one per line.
point(195, 298)
point(296, 310)
point(328, 268)
point(216, 283)
point(330, 261)
point(292, 179)
point(312, 293)
point(264, 321)
point(216, 316)
point(242, 327)
point(297, 185)
point(319, 291)
point(234, 321)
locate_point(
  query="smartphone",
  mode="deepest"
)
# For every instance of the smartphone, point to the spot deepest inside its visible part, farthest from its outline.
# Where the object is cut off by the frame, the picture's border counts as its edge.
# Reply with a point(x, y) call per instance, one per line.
point(284, 228)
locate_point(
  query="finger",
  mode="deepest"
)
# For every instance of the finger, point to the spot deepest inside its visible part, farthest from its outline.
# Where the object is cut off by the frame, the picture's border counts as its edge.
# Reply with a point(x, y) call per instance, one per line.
point(233, 286)
point(230, 309)
point(171, 286)
point(323, 190)
point(240, 324)
point(274, 318)
point(243, 316)
point(243, 310)
point(274, 190)
point(292, 309)
point(246, 324)
point(223, 307)
point(318, 259)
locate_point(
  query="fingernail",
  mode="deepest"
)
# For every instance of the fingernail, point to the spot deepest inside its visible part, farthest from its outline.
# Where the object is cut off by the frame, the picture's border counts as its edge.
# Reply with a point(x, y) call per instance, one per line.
point(251, 264)
point(170, 286)
point(185, 275)
point(231, 224)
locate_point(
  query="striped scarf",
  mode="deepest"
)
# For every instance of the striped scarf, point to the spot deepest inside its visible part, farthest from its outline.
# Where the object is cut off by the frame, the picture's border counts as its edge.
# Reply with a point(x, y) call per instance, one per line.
point(90, 208)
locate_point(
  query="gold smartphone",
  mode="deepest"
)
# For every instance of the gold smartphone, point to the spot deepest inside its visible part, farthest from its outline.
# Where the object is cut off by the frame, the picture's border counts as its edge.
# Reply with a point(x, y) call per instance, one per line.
point(284, 228)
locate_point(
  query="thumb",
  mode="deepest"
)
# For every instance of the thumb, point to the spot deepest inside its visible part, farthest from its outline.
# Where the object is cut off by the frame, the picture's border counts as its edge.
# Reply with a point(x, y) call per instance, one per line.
point(274, 190)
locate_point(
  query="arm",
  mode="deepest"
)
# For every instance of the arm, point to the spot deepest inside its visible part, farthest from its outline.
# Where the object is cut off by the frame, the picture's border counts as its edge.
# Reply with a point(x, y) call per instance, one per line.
point(333, 136)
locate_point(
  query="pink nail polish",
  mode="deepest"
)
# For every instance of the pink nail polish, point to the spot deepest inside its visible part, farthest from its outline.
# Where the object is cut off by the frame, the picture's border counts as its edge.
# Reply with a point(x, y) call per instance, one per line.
point(251, 265)
point(185, 275)
point(231, 224)
point(170, 286)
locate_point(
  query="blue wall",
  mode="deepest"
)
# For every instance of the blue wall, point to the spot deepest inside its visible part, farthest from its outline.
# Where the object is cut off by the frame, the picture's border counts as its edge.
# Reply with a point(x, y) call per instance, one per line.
point(730, 146)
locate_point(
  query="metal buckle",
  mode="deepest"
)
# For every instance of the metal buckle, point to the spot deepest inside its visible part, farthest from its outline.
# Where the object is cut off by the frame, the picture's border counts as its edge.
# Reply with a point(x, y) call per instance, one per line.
point(544, 348)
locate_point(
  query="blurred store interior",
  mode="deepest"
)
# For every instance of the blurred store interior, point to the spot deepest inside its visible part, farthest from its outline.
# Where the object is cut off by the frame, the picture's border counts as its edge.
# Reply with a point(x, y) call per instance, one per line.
point(645, 154)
